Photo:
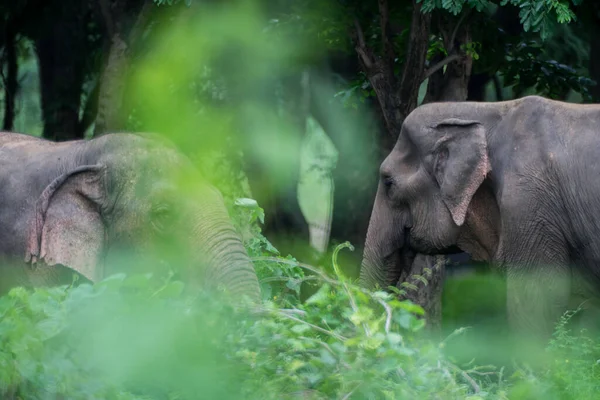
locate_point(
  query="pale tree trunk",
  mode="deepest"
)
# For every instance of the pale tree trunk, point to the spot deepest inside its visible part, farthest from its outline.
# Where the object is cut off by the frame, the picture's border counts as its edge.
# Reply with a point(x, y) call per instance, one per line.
point(110, 94)
point(398, 97)
point(111, 116)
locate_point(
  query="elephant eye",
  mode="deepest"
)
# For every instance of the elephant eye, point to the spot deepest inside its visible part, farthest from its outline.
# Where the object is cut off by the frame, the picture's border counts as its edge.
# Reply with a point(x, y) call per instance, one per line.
point(387, 180)
point(160, 216)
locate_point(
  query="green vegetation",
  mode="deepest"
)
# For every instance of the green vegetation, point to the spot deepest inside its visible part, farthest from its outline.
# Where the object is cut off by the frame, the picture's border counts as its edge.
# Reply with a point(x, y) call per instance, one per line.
point(138, 337)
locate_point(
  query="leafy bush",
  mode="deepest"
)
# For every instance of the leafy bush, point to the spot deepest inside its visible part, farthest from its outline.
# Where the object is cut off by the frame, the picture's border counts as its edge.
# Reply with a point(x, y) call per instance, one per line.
point(139, 338)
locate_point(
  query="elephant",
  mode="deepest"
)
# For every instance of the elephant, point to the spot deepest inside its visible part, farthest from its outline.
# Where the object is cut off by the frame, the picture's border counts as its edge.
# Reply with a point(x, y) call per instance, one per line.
point(120, 202)
point(512, 183)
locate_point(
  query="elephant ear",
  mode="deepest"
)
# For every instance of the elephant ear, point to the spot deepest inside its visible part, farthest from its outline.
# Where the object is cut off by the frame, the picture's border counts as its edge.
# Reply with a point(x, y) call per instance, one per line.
point(461, 164)
point(67, 227)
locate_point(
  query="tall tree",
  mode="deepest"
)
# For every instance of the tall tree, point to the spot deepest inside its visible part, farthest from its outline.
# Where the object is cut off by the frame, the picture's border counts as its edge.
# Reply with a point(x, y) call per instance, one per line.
point(123, 23)
point(61, 53)
point(10, 78)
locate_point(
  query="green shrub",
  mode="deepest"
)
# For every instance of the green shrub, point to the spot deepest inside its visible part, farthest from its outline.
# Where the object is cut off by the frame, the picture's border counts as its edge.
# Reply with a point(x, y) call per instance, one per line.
point(136, 337)
point(139, 337)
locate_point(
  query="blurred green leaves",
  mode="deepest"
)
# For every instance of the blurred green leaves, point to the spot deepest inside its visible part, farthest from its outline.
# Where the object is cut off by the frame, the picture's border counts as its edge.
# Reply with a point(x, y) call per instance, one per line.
point(211, 76)
point(125, 337)
point(140, 337)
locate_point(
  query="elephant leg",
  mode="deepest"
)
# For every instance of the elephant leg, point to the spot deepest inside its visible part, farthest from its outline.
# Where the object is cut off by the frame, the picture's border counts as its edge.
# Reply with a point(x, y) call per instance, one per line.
point(536, 261)
point(585, 297)
point(536, 297)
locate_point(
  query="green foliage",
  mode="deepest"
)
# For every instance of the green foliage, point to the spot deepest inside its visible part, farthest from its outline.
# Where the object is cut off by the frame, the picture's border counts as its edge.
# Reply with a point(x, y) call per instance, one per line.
point(527, 68)
point(539, 15)
point(280, 277)
point(123, 338)
point(576, 366)
point(536, 15)
point(134, 337)
point(453, 6)
point(323, 22)
point(138, 337)
point(336, 345)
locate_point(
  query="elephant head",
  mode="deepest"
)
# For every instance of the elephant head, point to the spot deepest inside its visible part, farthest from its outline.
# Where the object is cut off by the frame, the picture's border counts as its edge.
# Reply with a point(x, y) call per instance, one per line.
point(430, 188)
point(126, 201)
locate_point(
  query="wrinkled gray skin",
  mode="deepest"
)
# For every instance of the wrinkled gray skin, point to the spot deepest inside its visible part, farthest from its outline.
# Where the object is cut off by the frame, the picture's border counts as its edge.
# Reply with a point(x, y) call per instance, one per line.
point(515, 183)
point(108, 205)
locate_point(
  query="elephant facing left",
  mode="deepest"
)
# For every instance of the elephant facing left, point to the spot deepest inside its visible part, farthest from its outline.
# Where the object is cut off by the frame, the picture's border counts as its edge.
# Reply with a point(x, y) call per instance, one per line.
point(121, 202)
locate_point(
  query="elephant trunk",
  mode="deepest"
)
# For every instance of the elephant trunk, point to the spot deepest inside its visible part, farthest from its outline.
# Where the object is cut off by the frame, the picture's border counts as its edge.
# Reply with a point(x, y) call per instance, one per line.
point(227, 262)
point(385, 256)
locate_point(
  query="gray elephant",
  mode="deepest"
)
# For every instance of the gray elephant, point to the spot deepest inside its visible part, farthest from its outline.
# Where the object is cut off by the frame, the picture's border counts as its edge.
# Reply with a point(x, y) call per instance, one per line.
point(113, 204)
point(514, 183)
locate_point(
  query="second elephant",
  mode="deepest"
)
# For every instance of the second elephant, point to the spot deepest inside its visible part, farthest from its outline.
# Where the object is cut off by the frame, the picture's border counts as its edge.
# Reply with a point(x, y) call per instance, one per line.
point(514, 183)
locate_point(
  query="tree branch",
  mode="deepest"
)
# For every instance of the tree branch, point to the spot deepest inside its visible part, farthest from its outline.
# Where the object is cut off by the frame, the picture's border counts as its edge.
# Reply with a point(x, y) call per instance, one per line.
point(90, 110)
point(456, 28)
point(361, 46)
point(439, 65)
point(388, 48)
point(141, 22)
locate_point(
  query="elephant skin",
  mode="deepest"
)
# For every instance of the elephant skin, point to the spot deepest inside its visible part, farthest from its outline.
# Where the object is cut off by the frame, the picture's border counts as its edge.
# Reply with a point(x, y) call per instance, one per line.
point(113, 204)
point(513, 183)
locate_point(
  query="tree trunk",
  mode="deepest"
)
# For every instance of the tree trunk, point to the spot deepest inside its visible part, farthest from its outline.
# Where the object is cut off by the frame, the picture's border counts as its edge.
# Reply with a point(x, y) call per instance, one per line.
point(397, 98)
point(477, 85)
point(595, 55)
point(110, 95)
point(10, 82)
point(90, 109)
point(116, 15)
point(452, 84)
point(61, 54)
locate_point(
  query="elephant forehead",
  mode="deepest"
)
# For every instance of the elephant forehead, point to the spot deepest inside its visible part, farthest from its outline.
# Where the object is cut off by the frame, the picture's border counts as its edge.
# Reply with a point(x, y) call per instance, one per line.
point(422, 116)
point(157, 163)
point(421, 140)
point(400, 160)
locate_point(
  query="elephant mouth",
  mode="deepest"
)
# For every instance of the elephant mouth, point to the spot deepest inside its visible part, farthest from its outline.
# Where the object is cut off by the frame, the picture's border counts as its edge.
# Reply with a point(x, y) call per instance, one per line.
point(450, 250)
point(406, 244)
point(399, 263)
point(418, 246)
